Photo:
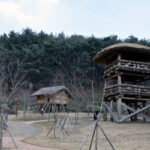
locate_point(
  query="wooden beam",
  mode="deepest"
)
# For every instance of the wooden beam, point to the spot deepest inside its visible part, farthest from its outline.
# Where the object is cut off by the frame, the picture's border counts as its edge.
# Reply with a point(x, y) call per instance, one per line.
point(109, 109)
point(136, 98)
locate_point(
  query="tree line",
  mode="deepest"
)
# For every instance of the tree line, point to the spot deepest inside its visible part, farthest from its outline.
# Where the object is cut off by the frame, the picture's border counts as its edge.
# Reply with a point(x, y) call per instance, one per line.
point(43, 59)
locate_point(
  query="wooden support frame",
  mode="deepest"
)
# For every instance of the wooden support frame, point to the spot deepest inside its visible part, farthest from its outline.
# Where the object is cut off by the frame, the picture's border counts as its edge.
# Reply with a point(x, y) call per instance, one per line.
point(118, 118)
point(133, 110)
point(134, 113)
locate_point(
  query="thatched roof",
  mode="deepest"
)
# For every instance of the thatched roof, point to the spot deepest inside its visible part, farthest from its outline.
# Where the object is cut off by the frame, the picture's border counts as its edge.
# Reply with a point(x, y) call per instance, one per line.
point(51, 91)
point(121, 48)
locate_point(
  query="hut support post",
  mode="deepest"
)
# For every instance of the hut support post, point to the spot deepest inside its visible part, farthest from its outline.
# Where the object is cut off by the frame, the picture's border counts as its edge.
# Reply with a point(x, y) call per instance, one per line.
point(135, 107)
point(104, 113)
point(144, 118)
point(119, 111)
point(104, 107)
point(111, 106)
point(119, 99)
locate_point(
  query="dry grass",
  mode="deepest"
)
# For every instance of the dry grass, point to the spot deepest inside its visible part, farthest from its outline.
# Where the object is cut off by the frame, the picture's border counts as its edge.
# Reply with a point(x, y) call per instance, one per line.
point(127, 136)
point(30, 116)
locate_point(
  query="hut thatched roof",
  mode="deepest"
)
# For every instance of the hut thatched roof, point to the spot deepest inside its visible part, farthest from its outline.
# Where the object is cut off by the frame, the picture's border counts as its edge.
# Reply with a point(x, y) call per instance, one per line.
point(51, 91)
point(121, 48)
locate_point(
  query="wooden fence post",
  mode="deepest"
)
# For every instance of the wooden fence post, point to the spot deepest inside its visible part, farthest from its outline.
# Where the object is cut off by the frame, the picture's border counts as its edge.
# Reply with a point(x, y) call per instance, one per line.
point(1, 121)
point(119, 112)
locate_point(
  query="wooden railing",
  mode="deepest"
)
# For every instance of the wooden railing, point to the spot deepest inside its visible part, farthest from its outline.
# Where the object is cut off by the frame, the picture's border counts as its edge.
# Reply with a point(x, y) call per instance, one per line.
point(128, 64)
point(127, 89)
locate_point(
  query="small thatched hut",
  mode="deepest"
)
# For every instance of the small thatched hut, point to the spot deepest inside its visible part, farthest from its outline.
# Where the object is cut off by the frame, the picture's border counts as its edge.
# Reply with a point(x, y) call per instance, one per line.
point(52, 96)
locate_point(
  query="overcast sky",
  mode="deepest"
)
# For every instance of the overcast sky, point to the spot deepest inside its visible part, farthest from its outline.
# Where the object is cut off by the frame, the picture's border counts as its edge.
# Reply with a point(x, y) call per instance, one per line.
point(87, 17)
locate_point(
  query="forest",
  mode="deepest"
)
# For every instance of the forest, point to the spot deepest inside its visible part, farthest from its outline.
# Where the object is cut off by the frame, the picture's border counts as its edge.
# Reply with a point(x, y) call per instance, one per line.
point(34, 60)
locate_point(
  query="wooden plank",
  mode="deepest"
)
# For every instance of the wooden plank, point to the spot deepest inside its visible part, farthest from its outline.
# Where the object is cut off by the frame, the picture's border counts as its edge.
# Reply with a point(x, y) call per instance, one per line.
point(134, 113)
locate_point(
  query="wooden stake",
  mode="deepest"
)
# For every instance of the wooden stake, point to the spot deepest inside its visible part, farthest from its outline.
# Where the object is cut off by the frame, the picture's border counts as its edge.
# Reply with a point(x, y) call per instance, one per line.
point(92, 137)
point(85, 139)
point(96, 138)
point(1, 120)
point(106, 137)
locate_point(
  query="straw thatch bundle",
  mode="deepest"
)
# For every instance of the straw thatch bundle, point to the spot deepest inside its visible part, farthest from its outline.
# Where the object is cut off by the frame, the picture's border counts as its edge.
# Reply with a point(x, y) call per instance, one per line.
point(134, 49)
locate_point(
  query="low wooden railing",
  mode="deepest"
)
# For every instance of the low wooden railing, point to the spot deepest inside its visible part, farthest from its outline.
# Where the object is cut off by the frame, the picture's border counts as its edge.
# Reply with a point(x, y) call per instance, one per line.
point(127, 89)
point(128, 64)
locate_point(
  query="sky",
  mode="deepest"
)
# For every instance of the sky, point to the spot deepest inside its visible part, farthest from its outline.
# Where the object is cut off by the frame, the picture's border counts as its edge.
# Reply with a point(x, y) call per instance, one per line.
point(86, 17)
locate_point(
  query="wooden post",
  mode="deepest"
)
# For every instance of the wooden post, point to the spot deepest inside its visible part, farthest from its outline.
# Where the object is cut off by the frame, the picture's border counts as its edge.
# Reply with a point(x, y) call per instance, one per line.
point(135, 107)
point(119, 108)
point(111, 106)
point(1, 121)
point(119, 99)
point(104, 113)
point(93, 97)
point(144, 119)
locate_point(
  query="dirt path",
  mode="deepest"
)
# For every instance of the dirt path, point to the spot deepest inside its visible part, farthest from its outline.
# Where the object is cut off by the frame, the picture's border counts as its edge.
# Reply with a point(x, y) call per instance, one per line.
point(21, 131)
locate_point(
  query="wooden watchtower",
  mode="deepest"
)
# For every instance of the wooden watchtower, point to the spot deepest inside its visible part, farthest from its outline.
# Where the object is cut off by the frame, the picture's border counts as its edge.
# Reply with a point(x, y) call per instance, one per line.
point(127, 81)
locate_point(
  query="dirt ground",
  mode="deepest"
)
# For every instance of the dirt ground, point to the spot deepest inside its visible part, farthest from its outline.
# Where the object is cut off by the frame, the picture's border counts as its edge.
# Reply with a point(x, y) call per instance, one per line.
point(126, 136)
point(22, 130)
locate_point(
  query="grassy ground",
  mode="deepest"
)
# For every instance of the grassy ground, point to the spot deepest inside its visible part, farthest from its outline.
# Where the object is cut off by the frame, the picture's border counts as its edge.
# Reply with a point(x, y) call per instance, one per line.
point(126, 136)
